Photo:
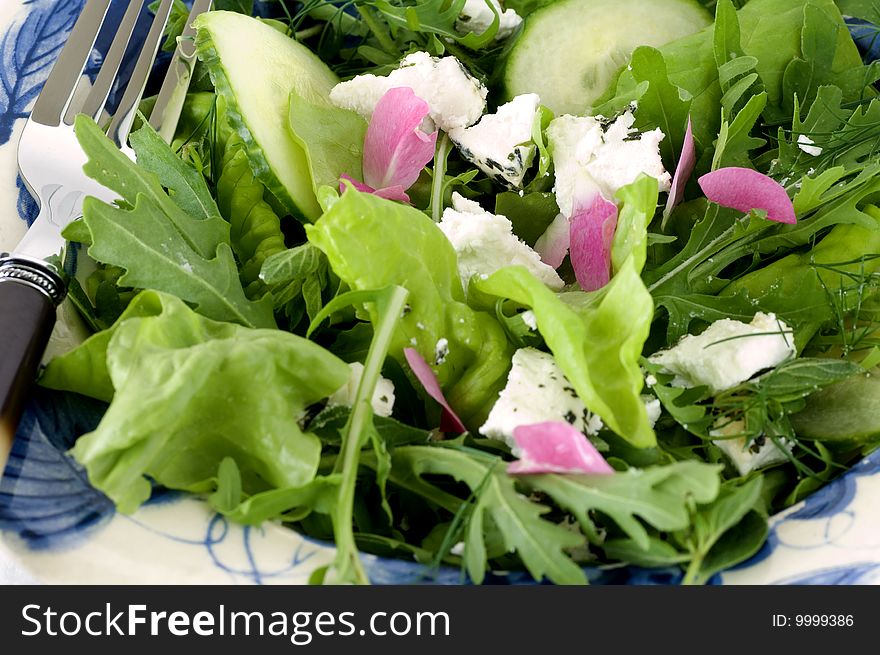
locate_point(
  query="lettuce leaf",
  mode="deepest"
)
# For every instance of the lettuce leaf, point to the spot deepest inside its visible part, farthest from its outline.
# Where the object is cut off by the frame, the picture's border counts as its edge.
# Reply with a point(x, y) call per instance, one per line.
point(596, 338)
point(190, 392)
point(373, 243)
point(255, 233)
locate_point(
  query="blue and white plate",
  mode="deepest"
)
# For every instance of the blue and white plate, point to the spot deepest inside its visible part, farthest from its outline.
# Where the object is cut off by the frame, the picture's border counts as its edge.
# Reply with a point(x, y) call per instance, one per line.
point(56, 528)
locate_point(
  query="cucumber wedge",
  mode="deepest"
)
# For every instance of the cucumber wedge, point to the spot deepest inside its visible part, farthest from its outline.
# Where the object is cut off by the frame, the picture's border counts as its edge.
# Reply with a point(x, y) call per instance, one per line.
point(258, 98)
point(569, 51)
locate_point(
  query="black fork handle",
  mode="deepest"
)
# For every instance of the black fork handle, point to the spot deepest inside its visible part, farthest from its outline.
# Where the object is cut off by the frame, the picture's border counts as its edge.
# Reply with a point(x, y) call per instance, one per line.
point(29, 294)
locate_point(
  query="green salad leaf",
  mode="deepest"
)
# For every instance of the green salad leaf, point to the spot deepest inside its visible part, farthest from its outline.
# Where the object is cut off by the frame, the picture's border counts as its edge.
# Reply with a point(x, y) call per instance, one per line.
point(190, 392)
point(372, 243)
point(255, 228)
point(658, 495)
point(540, 543)
point(596, 338)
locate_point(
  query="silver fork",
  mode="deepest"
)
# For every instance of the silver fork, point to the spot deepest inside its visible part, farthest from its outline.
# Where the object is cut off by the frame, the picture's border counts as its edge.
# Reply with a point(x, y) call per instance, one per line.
point(50, 161)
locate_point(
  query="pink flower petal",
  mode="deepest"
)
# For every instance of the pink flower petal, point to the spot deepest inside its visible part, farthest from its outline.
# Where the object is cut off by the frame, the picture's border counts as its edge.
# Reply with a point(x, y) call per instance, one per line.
point(389, 193)
point(553, 244)
point(745, 189)
point(395, 192)
point(360, 186)
point(449, 421)
point(686, 161)
point(592, 230)
point(395, 149)
point(555, 447)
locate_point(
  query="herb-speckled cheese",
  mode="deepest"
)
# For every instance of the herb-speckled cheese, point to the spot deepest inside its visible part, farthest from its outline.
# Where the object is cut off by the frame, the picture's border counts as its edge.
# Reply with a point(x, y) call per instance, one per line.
point(485, 242)
point(500, 144)
point(456, 99)
point(592, 156)
point(759, 453)
point(537, 391)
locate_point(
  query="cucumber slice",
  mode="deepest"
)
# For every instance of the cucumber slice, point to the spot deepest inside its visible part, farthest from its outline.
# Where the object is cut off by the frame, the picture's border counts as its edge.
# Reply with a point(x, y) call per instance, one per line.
point(255, 68)
point(846, 412)
point(569, 51)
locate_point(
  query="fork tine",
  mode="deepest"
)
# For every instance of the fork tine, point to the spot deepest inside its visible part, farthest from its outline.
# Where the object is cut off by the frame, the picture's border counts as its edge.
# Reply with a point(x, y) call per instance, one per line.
point(172, 94)
point(55, 97)
point(97, 97)
point(125, 113)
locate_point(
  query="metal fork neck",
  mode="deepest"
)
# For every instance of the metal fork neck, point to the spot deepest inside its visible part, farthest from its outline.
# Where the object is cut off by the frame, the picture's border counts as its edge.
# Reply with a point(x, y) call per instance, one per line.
point(34, 273)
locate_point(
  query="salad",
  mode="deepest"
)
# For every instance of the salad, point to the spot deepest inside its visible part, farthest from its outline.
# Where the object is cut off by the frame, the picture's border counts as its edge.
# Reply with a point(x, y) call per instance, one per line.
point(536, 286)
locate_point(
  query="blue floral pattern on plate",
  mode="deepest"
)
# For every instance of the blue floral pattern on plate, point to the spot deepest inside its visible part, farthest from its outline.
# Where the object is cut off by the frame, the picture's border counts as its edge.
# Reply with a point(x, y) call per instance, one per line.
point(63, 530)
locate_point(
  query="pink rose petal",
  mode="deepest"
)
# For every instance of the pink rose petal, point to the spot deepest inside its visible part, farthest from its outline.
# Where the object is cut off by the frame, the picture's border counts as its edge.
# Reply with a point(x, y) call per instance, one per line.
point(553, 244)
point(686, 161)
point(745, 189)
point(395, 149)
point(592, 230)
point(555, 447)
point(449, 421)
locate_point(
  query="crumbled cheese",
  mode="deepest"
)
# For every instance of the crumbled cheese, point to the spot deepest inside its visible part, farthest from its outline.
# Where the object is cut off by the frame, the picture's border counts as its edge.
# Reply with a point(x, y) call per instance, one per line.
point(650, 381)
point(476, 16)
point(441, 350)
point(383, 395)
point(759, 453)
point(536, 391)
point(805, 143)
point(652, 405)
point(728, 352)
point(456, 98)
point(485, 243)
point(501, 143)
point(528, 317)
point(589, 159)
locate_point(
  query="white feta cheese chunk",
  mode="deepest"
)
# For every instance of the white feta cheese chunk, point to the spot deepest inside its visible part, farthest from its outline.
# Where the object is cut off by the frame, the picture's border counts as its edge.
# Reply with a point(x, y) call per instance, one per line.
point(485, 242)
point(383, 396)
point(805, 143)
point(652, 406)
point(589, 159)
point(758, 453)
point(536, 391)
point(728, 352)
point(476, 16)
point(528, 317)
point(456, 99)
point(501, 143)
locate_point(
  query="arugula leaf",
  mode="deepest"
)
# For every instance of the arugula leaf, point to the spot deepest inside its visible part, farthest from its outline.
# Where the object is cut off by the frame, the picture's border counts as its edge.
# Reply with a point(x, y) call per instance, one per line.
point(190, 392)
point(187, 186)
point(770, 32)
point(175, 25)
point(437, 17)
point(158, 244)
point(597, 341)
point(109, 166)
point(659, 495)
point(156, 256)
point(540, 544)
